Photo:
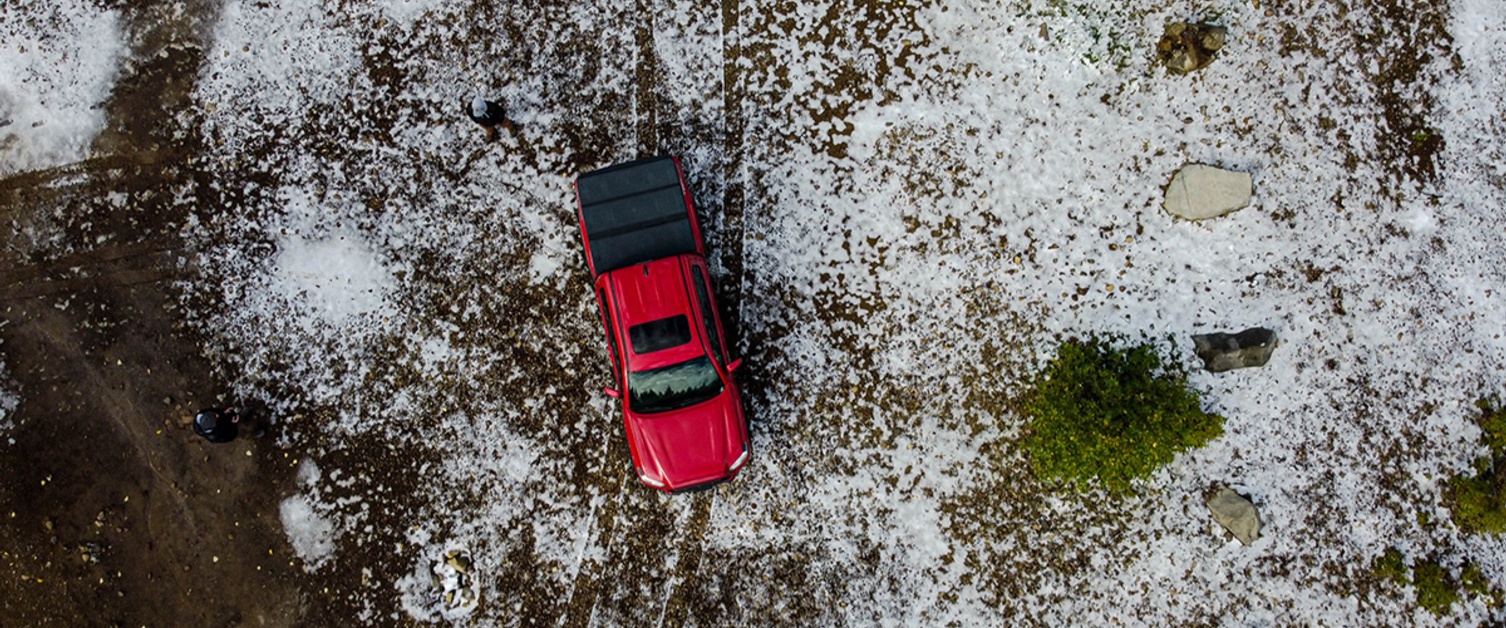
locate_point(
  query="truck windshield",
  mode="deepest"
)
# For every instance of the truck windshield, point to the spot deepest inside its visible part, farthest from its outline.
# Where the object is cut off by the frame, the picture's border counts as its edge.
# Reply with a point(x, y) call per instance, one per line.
point(673, 387)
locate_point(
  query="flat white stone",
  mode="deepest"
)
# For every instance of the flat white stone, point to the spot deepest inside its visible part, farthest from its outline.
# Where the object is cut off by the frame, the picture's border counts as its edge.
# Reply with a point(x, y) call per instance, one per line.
point(1236, 514)
point(1199, 192)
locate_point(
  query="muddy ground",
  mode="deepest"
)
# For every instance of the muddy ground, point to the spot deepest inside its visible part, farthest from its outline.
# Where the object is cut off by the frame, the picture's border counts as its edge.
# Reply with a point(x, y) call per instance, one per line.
point(114, 512)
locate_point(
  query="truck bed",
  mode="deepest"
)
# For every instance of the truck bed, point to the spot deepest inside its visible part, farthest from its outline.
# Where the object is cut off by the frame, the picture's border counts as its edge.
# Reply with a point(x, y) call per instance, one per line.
point(635, 212)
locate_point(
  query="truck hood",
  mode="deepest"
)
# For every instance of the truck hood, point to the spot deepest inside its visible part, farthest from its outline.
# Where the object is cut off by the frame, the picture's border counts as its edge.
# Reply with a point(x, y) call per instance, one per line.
point(689, 446)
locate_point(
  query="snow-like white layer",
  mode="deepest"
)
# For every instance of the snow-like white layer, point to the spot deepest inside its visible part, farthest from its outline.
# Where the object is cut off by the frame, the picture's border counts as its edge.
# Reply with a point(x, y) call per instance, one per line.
point(312, 536)
point(8, 403)
point(58, 64)
point(313, 521)
point(328, 278)
point(930, 200)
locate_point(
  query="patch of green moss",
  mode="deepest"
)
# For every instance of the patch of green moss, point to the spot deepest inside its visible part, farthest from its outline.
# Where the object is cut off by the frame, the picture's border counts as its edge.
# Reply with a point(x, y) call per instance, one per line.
point(1391, 566)
point(1479, 501)
point(1474, 581)
point(1492, 422)
point(1112, 414)
point(1477, 584)
point(1436, 591)
point(1479, 505)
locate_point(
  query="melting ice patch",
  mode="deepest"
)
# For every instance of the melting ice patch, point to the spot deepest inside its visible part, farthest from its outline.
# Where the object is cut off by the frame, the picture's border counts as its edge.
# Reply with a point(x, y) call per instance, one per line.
point(337, 278)
point(305, 274)
point(310, 529)
point(312, 536)
point(59, 62)
point(318, 515)
point(8, 403)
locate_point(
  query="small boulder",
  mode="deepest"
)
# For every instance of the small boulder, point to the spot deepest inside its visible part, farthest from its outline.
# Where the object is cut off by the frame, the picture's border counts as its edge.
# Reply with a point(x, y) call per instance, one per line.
point(1214, 38)
point(453, 577)
point(1181, 62)
point(1199, 192)
point(458, 561)
point(1225, 352)
point(1186, 46)
point(1236, 514)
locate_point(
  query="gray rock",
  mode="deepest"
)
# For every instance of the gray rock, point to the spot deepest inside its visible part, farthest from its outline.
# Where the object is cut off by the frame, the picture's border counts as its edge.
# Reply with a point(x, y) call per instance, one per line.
point(1226, 352)
point(1236, 514)
point(1214, 38)
point(90, 551)
point(1199, 192)
point(1181, 61)
point(458, 561)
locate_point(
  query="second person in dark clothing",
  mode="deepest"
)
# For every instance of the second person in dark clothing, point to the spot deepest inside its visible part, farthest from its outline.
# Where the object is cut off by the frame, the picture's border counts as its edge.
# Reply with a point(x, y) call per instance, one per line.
point(489, 115)
point(222, 425)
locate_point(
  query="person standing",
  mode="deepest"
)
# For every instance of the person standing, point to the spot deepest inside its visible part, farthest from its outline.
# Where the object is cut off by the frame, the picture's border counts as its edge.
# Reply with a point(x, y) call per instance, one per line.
point(222, 425)
point(489, 115)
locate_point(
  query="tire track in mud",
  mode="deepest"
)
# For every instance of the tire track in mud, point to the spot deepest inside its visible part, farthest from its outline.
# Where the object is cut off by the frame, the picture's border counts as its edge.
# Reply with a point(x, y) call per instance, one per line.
point(585, 588)
point(116, 278)
point(594, 580)
point(645, 538)
point(124, 265)
point(23, 181)
point(677, 610)
point(734, 203)
point(645, 103)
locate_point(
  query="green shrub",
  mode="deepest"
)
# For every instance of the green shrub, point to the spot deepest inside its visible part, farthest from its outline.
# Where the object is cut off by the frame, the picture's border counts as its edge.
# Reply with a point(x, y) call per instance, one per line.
point(1479, 502)
point(1113, 414)
point(1435, 589)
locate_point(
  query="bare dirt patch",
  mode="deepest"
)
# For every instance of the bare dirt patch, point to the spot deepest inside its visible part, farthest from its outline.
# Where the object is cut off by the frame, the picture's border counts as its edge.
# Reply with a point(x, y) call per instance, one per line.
point(115, 513)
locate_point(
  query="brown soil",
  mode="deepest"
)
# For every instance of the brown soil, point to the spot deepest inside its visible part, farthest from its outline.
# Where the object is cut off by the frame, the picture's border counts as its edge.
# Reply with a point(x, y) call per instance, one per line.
point(112, 512)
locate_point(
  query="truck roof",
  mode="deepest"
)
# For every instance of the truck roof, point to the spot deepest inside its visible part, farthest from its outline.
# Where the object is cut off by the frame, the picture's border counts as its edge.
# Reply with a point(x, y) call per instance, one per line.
point(635, 212)
point(658, 293)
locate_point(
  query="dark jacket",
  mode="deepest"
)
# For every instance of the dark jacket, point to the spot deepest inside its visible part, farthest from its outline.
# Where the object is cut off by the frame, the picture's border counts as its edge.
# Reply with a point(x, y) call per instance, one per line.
point(494, 115)
point(217, 425)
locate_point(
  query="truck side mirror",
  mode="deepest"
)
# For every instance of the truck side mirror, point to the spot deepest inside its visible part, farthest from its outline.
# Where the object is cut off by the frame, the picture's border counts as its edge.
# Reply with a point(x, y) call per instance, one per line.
point(612, 392)
point(734, 365)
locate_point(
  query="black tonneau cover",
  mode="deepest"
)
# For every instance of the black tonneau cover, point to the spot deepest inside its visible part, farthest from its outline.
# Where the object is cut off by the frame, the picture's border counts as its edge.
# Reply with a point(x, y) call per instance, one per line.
point(634, 212)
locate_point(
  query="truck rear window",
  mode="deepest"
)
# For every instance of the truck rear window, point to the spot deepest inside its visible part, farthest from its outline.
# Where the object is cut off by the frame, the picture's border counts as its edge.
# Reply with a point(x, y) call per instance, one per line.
point(660, 334)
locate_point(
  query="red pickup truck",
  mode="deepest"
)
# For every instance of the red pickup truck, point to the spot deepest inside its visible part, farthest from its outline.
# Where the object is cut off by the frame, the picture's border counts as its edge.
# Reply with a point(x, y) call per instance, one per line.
point(671, 367)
